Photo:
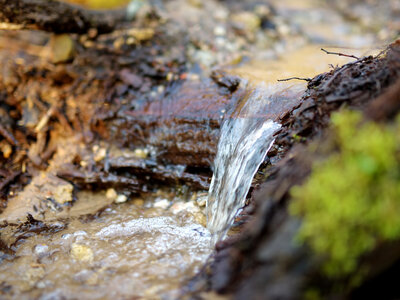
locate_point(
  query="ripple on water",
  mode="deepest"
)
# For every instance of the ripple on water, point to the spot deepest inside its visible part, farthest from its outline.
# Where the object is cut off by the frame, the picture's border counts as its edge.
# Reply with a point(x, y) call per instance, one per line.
point(127, 252)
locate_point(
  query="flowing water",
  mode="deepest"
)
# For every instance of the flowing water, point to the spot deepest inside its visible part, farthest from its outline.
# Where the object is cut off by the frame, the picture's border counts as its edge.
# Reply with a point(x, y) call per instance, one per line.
point(247, 131)
point(130, 251)
point(246, 137)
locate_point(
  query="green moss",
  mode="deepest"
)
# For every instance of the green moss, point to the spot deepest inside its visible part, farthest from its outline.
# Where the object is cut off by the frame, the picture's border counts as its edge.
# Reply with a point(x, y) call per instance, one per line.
point(298, 138)
point(351, 201)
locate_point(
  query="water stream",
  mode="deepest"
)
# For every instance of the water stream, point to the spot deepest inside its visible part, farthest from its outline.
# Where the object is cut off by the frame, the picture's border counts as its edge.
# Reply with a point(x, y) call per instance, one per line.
point(133, 250)
point(247, 134)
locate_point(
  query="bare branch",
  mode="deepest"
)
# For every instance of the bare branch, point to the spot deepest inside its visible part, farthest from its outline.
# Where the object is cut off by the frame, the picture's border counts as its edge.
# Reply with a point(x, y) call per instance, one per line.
point(295, 78)
point(58, 17)
point(340, 54)
point(8, 136)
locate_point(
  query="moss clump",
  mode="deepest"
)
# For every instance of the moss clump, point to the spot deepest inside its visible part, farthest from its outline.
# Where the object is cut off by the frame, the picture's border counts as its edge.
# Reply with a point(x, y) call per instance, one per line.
point(351, 202)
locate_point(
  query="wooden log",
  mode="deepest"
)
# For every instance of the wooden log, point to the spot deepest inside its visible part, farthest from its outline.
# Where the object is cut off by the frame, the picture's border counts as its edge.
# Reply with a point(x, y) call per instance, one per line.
point(58, 17)
point(184, 128)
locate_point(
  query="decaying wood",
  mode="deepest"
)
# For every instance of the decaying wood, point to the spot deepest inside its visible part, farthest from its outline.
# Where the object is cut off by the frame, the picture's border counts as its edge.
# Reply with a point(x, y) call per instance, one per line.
point(58, 17)
point(263, 262)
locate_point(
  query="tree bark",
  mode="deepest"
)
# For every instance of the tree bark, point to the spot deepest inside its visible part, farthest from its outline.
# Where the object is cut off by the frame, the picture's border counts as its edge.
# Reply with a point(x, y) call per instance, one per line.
point(58, 17)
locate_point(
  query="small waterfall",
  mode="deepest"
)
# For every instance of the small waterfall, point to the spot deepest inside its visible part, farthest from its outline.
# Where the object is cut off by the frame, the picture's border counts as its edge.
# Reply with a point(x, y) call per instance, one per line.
point(246, 137)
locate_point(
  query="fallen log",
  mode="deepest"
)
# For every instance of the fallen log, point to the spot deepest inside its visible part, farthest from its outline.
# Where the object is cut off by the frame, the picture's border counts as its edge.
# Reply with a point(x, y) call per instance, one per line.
point(59, 17)
point(264, 262)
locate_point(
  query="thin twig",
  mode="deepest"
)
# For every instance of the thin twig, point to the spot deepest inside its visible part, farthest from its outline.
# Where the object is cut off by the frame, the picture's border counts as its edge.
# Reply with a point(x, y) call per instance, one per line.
point(295, 78)
point(382, 52)
point(45, 119)
point(8, 136)
point(340, 54)
point(9, 179)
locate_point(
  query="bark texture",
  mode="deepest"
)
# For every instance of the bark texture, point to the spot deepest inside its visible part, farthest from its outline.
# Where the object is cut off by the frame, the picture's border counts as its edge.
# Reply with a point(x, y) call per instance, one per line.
point(58, 17)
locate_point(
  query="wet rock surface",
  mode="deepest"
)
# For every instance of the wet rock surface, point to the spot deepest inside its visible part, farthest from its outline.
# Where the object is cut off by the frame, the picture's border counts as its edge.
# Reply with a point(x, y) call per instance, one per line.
point(147, 250)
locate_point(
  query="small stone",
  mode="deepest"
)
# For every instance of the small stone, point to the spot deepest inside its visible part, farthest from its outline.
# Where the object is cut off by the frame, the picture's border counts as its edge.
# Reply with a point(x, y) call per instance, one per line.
point(191, 207)
point(219, 31)
point(130, 40)
point(200, 218)
point(160, 89)
point(118, 43)
point(141, 153)
point(92, 33)
point(62, 48)
point(138, 202)
point(63, 193)
point(201, 201)
point(283, 29)
point(81, 253)
point(263, 10)
point(221, 14)
point(121, 199)
point(177, 207)
point(111, 194)
point(164, 203)
point(41, 284)
point(6, 149)
point(100, 154)
point(205, 58)
point(246, 21)
point(141, 34)
point(41, 250)
point(180, 206)
point(87, 276)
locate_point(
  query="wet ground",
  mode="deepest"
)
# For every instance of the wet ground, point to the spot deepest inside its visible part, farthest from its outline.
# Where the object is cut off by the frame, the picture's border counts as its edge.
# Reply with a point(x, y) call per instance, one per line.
point(145, 248)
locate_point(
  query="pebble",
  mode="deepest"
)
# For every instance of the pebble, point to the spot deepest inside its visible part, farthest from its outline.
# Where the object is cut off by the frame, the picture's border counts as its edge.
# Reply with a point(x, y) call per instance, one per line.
point(202, 201)
point(138, 202)
point(219, 31)
point(41, 250)
point(81, 253)
point(87, 276)
point(63, 193)
point(62, 48)
point(118, 43)
point(121, 199)
point(111, 194)
point(100, 154)
point(141, 34)
point(180, 206)
point(221, 14)
point(7, 150)
point(247, 21)
point(164, 203)
point(141, 153)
